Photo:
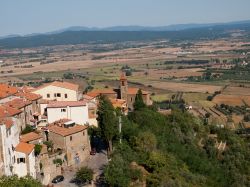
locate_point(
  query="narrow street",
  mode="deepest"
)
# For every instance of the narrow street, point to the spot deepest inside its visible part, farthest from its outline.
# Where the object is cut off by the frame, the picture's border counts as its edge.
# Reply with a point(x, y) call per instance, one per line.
point(96, 163)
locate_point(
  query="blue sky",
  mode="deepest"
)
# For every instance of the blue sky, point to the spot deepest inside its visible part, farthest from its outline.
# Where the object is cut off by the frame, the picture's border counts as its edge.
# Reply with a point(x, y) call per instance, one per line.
point(33, 16)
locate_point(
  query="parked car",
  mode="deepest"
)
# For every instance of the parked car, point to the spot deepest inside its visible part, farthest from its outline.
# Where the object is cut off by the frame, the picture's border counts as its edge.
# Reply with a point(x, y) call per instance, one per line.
point(58, 179)
point(93, 151)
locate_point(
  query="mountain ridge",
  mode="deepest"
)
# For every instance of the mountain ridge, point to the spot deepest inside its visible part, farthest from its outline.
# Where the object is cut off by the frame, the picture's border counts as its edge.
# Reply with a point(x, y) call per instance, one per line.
point(171, 27)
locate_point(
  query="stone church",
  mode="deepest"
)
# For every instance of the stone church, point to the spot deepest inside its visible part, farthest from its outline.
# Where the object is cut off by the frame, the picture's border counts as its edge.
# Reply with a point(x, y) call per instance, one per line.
point(124, 92)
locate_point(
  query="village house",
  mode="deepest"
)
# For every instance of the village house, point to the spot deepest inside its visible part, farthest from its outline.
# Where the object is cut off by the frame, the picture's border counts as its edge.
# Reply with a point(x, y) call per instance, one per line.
point(32, 138)
point(92, 109)
point(76, 111)
point(16, 157)
point(25, 163)
point(59, 91)
point(124, 92)
point(71, 138)
point(25, 106)
point(7, 93)
point(34, 99)
point(14, 114)
point(120, 103)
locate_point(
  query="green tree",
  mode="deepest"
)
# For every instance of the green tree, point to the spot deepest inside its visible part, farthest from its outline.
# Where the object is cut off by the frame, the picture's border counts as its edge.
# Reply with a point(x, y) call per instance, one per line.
point(139, 103)
point(84, 174)
point(107, 121)
point(38, 149)
point(146, 141)
point(14, 181)
point(117, 173)
point(27, 129)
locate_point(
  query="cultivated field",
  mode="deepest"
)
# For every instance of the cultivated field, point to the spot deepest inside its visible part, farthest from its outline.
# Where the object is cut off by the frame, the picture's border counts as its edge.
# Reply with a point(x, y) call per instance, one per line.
point(186, 87)
point(233, 100)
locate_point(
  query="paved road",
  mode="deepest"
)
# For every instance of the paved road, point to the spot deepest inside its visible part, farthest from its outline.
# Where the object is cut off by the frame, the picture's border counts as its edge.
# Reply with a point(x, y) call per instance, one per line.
point(96, 162)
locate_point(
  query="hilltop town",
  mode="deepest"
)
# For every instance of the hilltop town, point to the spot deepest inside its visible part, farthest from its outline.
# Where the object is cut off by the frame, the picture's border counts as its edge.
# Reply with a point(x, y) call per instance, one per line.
point(44, 130)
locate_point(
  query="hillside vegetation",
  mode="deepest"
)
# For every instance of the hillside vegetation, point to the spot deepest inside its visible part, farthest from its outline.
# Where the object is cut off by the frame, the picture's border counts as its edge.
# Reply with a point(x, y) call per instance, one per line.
point(175, 150)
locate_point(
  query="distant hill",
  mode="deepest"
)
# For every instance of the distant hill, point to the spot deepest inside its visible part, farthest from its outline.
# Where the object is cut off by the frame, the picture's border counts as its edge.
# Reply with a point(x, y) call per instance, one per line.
point(80, 35)
point(176, 27)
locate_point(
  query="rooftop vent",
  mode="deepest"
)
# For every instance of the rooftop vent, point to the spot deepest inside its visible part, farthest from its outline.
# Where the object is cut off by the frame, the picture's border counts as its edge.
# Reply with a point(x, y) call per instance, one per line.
point(69, 124)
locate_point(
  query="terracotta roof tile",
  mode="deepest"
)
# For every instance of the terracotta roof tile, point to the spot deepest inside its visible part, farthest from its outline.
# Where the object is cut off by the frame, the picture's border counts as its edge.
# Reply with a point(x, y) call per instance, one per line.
point(118, 102)
point(6, 111)
point(66, 131)
point(28, 95)
point(18, 103)
point(66, 85)
point(7, 122)
point(24, 148)
point(87, 97)
point(95, 93)
point(57, 104)
point(6, 90)
point(30, 137)
point(123, 76)
point(133, 91)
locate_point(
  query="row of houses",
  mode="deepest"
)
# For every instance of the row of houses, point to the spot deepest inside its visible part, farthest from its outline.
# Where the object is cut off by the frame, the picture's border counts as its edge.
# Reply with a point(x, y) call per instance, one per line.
point(59, 114)
point(56, 113)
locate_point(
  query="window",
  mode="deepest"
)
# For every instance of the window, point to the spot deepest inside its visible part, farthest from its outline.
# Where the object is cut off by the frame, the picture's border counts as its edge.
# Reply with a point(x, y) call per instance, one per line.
point(21, 160)
point(66, 95)
point(48, 95)
point(54, 94)
point(14, 159)
point(123, 83)
point(10, 131)
point(70, 138)
point(9, 150)
point(63, 110)
point(83, 133)
point(131, 99)
point(58, 95)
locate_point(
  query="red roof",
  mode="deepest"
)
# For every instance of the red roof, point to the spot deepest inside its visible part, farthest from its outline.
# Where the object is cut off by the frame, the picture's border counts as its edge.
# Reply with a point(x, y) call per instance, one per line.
point(28, 95)
point(30, 137)
point(58, 104)
point(18, 103)
point(118, 102)
point(123, 76)
point(95, 93)
point(66, 85)
point(6, 90)
point(24, 148)
point(6, 111)
point(134, 91)
point(7, 122)
point(66, 131)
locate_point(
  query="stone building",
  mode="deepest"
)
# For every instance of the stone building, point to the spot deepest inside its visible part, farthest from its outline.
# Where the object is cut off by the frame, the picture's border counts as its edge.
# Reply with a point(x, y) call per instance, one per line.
point(124, 93)
point(71, 138)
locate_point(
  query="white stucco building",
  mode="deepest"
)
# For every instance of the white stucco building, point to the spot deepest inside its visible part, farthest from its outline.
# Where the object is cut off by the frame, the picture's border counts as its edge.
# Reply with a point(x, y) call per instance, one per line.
point(16, 157)
point(59, 91)
point(76, 111)
point(25, 160)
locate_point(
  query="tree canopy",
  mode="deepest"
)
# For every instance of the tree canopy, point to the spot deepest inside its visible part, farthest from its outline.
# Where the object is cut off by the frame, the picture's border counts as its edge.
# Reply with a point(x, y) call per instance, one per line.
point(139, 103)
point(14, 181)
point(176, 150)
point(107, 120)
point(84, 174)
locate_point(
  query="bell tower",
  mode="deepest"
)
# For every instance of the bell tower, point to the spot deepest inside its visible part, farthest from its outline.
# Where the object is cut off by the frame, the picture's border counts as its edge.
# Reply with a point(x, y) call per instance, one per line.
point(123, 86)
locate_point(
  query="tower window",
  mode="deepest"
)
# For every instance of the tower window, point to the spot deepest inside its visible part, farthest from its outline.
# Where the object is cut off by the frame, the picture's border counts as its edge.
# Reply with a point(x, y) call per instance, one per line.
point(123, 84)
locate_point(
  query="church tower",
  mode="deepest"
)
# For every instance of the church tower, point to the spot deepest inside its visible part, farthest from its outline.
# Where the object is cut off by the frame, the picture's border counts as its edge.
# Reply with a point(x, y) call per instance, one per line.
point(123, 86)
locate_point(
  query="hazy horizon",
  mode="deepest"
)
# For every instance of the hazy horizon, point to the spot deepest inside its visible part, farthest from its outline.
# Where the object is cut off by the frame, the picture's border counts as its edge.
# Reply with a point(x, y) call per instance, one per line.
point(27, 16)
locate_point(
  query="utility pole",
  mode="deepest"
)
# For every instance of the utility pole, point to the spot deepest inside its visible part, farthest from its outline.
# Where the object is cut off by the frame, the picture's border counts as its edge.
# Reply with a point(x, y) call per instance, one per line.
point(120, 128)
